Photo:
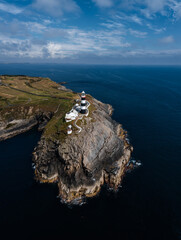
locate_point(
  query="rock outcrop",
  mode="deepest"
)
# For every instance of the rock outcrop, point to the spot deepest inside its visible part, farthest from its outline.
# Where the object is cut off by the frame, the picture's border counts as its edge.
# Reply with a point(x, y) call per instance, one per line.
point(11, 128)
point(84, 161)
point(96, 153)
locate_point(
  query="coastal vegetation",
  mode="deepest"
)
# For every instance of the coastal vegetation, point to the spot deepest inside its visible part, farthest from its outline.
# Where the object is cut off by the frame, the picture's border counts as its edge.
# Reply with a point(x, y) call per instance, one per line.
point(22, 97)
point(96, 152)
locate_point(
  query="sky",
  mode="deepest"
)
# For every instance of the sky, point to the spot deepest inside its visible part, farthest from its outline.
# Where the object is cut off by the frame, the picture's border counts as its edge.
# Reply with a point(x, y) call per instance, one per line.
point(91, 31)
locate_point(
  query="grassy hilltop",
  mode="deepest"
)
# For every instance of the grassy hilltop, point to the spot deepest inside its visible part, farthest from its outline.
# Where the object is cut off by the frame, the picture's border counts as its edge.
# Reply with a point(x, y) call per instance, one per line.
point(22, 97)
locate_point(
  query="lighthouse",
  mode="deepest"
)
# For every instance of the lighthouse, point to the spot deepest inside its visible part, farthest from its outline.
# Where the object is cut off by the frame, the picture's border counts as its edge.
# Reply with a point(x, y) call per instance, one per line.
point(83, 104)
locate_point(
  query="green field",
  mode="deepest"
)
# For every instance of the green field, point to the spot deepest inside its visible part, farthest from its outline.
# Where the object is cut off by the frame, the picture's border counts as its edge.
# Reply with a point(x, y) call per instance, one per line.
point(22, 97)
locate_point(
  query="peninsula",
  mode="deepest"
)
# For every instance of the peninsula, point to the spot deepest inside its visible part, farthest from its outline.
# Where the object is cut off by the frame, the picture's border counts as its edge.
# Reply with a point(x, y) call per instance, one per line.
point(81, 158)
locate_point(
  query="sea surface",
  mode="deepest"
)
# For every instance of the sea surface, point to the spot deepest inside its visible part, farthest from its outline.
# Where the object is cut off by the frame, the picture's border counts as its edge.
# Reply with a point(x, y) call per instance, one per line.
point(147, 101)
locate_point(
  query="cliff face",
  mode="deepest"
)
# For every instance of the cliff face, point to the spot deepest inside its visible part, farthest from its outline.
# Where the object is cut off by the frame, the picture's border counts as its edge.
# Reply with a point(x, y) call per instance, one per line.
point(81, 162)
point(11, 128)
point(84, 161)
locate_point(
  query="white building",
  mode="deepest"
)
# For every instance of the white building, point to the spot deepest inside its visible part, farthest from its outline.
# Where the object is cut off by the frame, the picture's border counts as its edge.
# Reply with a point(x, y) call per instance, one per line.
point(69, 129)
point(70, 116)
point(77, 107)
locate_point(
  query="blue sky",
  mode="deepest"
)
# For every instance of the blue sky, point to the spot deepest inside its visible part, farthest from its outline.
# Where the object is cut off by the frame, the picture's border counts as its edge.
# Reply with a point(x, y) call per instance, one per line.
point(91, 31)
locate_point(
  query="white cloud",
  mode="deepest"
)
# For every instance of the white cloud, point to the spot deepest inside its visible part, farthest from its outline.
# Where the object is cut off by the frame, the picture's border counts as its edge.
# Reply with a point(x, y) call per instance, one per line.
point(26, 49)
point(114, 25)
point(19, 48)
point(148, 52)
point(43, 38)
point(103, 3)
point(168, 39)
point(136, 19)
point(35, 27)
point(130, 18)
point(147, 13)
point(85, 46)
point(10, 8)
point(138, 34)
point(156, 29)
point(156, 5)
point(151, 7)
point(70, 42)
point(56, 8)
point(176, 7)
point(16, 28)
point(171, 8)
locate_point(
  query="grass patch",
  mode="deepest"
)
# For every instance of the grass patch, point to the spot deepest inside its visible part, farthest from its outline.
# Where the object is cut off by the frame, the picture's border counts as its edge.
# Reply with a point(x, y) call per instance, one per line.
point(24, 96)
point(57, 127)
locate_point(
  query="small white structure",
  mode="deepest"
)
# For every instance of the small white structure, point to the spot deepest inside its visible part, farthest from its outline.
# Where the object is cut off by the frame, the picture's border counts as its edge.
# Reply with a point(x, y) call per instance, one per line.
point(77, 107)
point(69, 129)
point(70, 116)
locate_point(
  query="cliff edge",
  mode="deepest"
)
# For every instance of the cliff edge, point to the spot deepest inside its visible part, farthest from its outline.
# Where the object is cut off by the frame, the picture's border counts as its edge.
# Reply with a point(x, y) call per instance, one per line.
point(80, 163)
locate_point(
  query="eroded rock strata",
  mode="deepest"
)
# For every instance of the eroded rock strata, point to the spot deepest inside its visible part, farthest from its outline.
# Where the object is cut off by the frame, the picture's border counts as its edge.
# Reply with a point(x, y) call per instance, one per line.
point(85, 161)
point(11, 128)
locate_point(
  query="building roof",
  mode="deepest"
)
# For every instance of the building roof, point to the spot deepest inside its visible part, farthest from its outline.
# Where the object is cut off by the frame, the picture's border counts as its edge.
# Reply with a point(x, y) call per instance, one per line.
point(72, 115)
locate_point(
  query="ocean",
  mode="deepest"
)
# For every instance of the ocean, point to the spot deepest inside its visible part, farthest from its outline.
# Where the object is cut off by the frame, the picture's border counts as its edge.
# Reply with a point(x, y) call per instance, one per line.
point(147, 102)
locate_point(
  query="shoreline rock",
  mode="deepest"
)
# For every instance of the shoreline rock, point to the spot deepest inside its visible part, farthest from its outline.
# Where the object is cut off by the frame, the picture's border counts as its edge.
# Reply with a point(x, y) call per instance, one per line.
point(9, 129)
point(79, 163)
point(86, 161)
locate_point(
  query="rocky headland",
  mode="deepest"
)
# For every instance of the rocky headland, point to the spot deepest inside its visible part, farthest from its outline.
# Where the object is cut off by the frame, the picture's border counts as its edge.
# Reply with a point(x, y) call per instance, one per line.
point(79, 163)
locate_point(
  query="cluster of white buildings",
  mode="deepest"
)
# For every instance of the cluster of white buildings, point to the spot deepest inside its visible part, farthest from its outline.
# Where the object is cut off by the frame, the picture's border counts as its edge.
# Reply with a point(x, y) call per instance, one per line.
point(74, 113)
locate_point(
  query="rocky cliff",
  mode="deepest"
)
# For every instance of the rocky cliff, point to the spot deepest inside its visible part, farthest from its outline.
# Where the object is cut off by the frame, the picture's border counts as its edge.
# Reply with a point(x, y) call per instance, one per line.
point(85, 161)
point(11, 128)
point(80, 163)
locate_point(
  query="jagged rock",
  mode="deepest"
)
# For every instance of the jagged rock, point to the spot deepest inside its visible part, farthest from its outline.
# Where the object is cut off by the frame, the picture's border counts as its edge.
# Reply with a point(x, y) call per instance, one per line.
point(84, 162)
point(81, 162)
point(12, 128)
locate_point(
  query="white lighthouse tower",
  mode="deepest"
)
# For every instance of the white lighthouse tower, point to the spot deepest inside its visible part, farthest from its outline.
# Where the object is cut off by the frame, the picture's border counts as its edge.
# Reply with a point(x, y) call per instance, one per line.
point(83, 103)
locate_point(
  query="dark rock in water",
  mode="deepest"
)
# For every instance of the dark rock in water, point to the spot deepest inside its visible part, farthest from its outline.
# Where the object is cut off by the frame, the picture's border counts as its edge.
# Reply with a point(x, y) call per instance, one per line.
point(132, 164)
point(63, 83)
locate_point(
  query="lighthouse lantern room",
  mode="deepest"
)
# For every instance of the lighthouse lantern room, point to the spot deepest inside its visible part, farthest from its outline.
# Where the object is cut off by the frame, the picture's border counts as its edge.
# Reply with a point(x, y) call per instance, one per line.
point(83, 95)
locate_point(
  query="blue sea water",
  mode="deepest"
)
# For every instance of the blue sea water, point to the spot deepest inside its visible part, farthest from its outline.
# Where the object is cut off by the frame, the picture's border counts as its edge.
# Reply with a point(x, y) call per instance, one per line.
point(147, 101)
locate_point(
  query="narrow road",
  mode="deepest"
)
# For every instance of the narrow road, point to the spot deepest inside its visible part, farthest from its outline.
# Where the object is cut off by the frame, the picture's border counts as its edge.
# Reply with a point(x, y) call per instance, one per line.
point(80, 118)
point(87, 114)
point(75, 124)
point(57, 108)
